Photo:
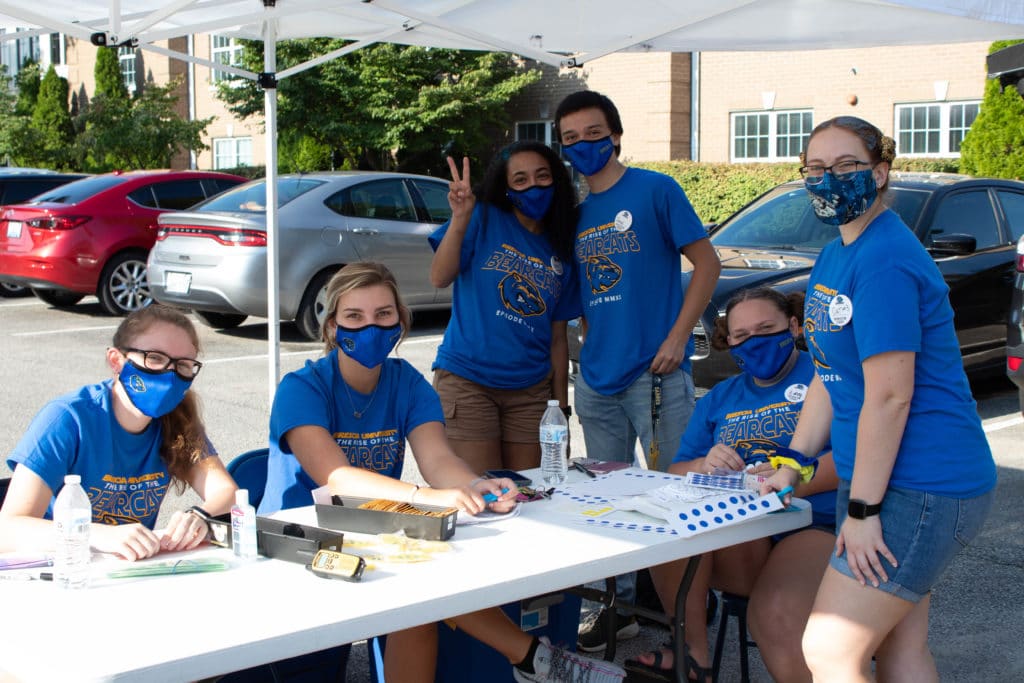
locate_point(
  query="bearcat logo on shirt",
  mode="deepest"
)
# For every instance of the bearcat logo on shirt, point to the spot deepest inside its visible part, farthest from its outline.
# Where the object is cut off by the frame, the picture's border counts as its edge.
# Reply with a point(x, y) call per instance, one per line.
point(520, 295)
point(602, 273)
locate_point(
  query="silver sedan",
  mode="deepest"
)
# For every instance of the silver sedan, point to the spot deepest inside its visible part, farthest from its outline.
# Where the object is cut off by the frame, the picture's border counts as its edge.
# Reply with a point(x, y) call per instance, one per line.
point(213, 258)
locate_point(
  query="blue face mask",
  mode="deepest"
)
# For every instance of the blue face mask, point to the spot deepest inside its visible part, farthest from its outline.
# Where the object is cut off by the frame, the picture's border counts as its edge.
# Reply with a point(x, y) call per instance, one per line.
point(154, 393)
point(589, 156)
point(763, 355)
point(837, 202)
point(368, 345)
point(534, 201)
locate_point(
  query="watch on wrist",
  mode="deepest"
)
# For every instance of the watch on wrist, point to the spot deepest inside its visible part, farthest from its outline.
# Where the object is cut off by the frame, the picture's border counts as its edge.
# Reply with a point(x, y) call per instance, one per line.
point(858, 509)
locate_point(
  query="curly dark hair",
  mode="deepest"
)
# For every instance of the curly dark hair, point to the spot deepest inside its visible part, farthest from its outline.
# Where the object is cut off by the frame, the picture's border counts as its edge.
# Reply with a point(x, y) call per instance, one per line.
point(559, 223)
point(792, 305)
point(589, 99)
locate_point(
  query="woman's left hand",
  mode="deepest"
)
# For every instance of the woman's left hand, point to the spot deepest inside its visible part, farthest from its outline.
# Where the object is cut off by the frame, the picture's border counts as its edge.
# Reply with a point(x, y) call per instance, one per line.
point(506, 501)
point(863, 542)
point(185, 531)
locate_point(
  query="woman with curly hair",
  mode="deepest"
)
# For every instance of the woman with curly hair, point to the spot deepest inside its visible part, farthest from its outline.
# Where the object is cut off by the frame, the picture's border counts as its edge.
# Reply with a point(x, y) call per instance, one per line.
point(505, 352)
point(128, 437)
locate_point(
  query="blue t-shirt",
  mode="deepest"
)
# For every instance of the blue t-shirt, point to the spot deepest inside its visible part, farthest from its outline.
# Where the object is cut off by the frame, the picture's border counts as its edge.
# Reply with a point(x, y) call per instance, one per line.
point(627, 245)
point(884, 293)
point(754, 421)
point(122, 473)
point(510, 288)
point(315, 395)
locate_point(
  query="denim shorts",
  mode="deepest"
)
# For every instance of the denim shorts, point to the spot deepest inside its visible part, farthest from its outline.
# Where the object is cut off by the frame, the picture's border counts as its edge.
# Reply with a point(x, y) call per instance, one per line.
point(923, 531)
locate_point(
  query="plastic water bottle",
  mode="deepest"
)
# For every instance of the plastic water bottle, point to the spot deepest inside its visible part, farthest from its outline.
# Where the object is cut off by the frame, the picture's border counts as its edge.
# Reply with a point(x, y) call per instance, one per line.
point(72, 517)
point(554, 445)
point(243, 526)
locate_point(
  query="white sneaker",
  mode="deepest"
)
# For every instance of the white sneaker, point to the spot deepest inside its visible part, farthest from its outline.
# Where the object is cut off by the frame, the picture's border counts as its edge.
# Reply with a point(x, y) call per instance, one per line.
point(555, 665)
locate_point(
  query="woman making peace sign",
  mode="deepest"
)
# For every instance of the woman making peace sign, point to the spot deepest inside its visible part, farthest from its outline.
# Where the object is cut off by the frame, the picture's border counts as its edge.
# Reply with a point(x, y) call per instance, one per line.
point(505, 351)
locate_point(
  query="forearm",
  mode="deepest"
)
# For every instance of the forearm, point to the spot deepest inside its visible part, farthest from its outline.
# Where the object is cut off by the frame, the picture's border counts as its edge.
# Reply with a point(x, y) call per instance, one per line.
point(879, 432)
point(560, 363)
point(446, 470)
point(445, 265)
point(706, 269)
point(26, 534)
point(355, 481)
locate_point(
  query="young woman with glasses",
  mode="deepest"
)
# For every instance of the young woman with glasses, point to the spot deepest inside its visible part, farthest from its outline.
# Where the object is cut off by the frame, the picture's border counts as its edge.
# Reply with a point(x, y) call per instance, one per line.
point(129, 438)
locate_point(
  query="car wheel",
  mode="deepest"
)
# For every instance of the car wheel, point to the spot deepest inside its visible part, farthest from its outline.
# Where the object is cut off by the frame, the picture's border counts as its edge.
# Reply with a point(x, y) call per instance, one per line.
point(10, 289)
point(220, 321)
point(313, 307)
point(123, 284)
point(58, 298)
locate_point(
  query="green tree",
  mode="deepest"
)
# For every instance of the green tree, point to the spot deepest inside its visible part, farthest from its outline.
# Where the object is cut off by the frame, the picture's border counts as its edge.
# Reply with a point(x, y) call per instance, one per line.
point(994, 146)
point(144, 132)
point(27, 82)
point(387, 107)
point(52, 120)
point(107, 71)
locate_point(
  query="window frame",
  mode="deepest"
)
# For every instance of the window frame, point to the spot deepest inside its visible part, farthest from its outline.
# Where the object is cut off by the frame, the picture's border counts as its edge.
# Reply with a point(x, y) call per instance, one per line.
point(127, 60)
point(944, 129)
point(233, 49)
point(235, 155)
point(772, 136)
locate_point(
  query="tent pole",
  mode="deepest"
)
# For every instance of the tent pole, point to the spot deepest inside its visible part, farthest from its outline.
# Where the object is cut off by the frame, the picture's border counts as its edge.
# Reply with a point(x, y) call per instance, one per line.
point(269, 82)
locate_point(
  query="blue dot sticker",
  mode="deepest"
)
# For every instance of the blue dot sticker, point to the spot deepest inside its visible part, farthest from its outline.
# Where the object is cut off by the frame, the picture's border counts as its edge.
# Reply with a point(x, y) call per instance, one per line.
point(704, 524)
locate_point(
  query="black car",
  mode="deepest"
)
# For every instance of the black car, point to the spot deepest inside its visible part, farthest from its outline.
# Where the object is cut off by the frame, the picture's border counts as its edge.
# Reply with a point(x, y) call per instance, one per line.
point(18, 185)
point(1015, 328)
point(969, 225)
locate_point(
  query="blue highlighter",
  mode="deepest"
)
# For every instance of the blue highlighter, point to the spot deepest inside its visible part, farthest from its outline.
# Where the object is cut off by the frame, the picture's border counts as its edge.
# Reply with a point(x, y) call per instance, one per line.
point(491, 498)
point(785, 492)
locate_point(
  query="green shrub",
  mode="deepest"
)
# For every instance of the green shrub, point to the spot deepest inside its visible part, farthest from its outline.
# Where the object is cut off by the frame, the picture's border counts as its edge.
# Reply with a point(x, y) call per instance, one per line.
point(994, 146)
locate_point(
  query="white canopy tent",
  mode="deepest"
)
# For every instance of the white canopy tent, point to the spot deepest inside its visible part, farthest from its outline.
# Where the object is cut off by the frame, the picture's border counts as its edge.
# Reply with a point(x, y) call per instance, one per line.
point(558, 32)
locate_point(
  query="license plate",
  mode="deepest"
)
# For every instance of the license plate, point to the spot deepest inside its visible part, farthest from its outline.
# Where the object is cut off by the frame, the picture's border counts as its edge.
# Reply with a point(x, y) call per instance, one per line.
point(177, 283)
point(14, 229)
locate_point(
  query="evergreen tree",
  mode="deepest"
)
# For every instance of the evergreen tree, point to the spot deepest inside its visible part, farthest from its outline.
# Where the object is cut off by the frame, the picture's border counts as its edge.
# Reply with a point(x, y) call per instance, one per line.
point(994, 146)
point(27, 83)
point(52, 119)
point(109, 81)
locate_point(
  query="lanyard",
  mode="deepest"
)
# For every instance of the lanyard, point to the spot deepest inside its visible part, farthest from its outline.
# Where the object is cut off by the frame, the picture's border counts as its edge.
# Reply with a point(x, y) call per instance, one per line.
point(655, 449)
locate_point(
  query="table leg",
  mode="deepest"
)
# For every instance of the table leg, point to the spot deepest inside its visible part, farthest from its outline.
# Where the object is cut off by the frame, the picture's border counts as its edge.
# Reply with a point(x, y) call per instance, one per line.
point(678, 627)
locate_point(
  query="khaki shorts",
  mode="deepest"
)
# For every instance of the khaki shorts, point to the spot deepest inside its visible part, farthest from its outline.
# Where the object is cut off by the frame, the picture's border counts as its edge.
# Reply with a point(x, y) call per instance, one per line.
point(473, 412)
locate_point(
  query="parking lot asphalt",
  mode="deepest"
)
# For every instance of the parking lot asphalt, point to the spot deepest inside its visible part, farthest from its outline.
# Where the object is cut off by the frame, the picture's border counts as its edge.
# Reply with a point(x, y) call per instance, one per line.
point(977, 616)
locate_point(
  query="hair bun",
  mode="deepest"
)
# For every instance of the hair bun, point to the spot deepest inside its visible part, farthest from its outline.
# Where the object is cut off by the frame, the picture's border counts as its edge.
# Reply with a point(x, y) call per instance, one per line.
point(887, 149)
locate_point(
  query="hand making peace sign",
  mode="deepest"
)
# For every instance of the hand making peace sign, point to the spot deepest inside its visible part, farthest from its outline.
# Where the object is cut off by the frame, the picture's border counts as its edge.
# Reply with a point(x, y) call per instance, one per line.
point(460, 193)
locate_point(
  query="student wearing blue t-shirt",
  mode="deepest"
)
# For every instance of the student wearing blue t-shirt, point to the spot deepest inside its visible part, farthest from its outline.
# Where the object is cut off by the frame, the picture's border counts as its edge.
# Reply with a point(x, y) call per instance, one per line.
point(737, 426)
point(505, 352)
point(343, 422)
point(916, 473)
point(129, 438)
point(633, 227)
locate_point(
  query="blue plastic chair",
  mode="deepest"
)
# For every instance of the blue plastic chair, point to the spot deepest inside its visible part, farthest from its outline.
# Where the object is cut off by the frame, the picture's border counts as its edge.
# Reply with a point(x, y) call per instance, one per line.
point(249, 470)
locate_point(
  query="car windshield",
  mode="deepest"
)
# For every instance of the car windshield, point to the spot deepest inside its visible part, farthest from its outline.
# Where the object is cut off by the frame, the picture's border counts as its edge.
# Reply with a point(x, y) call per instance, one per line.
point(252, 197)
point(80, 190)
point(783, 219)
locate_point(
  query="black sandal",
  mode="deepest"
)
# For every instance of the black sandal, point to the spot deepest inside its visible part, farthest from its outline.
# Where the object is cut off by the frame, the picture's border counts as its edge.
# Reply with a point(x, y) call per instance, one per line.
point(637, 671)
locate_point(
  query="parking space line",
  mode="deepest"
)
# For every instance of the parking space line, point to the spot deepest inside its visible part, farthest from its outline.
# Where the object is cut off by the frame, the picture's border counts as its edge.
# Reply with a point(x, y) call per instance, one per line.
point(64, 330)
point(423, 340)
point(1003, 424)
point(34, 302)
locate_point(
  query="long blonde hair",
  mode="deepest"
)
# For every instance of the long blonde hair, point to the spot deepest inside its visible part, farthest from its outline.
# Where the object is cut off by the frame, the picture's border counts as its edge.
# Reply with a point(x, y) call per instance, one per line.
point(184, 441)
point(356, 276)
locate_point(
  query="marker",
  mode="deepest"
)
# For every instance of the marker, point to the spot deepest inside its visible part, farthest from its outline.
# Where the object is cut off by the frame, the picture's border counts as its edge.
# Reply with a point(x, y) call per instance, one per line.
point(491, 498)
point(579, 466)
point(785, 492)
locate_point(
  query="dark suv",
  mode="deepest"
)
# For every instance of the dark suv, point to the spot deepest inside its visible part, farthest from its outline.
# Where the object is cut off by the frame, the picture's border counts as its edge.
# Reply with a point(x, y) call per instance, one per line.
point(1015, 328)
point(970, 226)
point(18, 185)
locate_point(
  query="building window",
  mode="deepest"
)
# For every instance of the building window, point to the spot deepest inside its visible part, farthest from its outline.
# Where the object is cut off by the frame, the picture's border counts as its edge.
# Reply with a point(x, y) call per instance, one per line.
point(232, 152)
point(933, 129)
point(770, 136)
point(126, 56)
point(540, 131)
point(15, 52)
point(57, 54)
point(224, 50)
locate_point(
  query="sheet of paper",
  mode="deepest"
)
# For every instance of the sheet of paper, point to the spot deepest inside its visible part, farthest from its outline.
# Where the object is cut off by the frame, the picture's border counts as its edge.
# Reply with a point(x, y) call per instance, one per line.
point(696, 518)
point(486, 516)
point(631, 481)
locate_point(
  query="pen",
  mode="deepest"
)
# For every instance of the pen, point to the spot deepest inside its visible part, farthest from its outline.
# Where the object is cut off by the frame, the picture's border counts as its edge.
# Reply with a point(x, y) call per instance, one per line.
point(579, 466)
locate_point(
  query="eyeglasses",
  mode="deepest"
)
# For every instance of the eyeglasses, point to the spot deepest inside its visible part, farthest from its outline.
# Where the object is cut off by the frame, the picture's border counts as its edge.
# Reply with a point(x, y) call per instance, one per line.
point(185, 368)
point(844, 170)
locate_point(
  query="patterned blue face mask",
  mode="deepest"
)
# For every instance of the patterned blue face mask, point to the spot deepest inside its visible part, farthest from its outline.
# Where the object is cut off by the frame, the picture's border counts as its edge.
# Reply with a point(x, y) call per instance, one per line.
point(368, 345)
point(589, 156)
point(534, 201)
point(763, 355)
point(838, 201)
point(154, 392)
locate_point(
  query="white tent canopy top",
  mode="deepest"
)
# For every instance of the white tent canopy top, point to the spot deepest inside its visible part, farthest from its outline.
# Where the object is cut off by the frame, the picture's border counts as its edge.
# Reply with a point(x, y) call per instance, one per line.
point(557, 32)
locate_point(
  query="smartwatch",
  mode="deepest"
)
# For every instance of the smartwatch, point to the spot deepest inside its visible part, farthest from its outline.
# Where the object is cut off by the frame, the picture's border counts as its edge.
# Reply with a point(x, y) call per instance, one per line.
point(858, 509)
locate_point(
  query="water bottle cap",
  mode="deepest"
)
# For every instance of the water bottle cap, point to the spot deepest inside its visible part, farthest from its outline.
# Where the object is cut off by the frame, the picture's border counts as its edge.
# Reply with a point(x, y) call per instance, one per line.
point(553, 403)
point(242, 497)
point(72, 479)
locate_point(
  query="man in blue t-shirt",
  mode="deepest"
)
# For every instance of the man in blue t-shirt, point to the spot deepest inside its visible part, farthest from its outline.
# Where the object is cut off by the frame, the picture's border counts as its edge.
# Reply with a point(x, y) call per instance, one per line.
point(633, 227)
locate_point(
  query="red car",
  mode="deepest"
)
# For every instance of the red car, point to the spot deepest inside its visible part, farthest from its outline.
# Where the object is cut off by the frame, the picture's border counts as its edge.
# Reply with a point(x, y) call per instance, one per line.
point(93, 236)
